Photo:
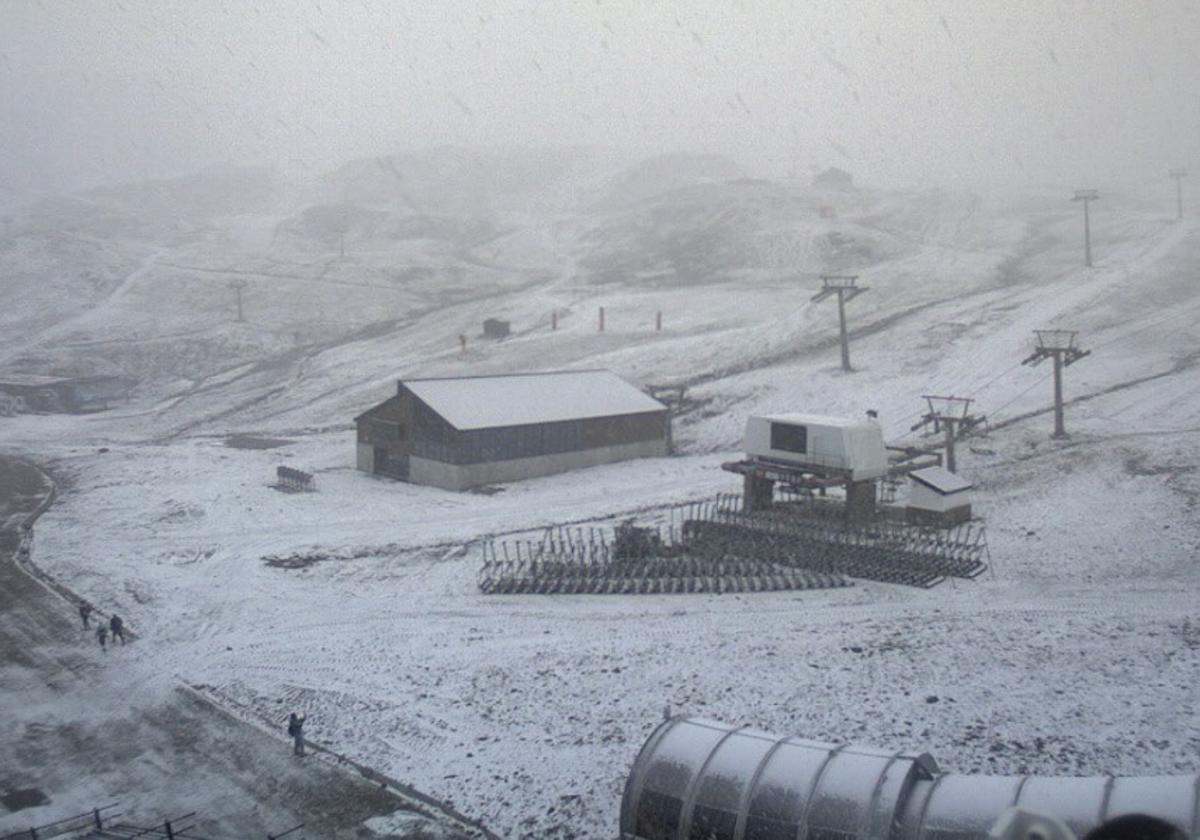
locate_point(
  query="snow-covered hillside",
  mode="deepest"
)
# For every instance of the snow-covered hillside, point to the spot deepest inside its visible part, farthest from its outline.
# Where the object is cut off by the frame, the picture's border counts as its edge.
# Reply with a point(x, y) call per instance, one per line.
point(1079, 652)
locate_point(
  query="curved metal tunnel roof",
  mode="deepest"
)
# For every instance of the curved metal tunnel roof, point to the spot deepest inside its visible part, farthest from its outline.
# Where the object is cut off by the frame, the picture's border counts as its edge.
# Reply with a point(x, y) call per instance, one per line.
point(697, 779)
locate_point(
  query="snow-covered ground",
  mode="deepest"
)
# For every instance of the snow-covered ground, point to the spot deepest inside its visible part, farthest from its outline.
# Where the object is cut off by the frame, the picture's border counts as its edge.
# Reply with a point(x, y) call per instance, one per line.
point(1078, 652)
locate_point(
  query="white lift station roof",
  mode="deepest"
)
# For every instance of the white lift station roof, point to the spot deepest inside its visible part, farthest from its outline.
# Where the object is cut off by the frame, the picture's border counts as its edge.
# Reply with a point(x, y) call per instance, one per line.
point(519, 399)
point(941, 480)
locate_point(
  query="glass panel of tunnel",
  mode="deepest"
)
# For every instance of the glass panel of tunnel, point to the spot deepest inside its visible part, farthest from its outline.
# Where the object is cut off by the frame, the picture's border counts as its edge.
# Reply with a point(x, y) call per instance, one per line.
point(840, 806)
point(719, 793)
point(966, 807)
point(1074, 800)
point(777, 803)
point(887, 809)
point(667, 775)
point(1171, 798)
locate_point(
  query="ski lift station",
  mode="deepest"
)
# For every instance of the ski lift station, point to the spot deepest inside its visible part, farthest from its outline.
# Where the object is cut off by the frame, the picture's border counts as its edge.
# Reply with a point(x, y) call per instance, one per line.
point(697, 778)
point(463, 432)
point(813, 452)
point(853, 448)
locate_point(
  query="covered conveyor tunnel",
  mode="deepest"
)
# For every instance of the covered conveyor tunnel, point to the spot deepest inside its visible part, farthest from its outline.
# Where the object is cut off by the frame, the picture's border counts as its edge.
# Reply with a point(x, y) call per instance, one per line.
point(697, 779)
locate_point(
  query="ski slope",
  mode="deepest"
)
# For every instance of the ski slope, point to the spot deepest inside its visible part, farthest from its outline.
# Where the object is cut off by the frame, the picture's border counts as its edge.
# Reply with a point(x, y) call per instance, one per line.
point(1078, 653)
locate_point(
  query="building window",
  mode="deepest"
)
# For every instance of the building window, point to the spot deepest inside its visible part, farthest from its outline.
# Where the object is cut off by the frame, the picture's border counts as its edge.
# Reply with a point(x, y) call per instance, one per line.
point(789, 438)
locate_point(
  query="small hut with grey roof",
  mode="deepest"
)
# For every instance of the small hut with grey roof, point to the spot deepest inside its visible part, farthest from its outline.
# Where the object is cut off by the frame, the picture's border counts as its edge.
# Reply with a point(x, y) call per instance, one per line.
point(462, 432)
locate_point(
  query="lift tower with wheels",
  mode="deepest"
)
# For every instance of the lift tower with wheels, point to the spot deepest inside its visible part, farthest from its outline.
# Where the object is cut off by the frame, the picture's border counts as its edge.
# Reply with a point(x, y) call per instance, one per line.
point(1058, 345)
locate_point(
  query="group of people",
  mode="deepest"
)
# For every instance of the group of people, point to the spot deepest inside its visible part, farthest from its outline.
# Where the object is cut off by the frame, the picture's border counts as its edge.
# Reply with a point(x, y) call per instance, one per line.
point(115, 626)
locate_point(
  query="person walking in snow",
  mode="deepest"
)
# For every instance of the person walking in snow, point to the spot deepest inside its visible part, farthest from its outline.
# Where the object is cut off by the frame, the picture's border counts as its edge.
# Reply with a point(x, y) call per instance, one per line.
point(102, 636)
point(296, 730)
point(85, 612)
point(117, 627)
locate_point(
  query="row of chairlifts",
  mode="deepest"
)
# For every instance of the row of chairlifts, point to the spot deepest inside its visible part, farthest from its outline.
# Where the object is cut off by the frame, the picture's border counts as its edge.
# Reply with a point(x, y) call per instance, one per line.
point(632, 560)
point(105, 822)
point(721, 547)
point(291, 480)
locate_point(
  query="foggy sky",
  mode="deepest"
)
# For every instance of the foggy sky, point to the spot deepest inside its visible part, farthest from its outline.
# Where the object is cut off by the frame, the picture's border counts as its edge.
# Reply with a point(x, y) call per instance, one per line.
point(903, 91)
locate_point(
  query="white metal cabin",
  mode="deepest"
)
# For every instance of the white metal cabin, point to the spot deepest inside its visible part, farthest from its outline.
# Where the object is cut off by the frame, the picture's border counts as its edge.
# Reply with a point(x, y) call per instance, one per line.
point(825, 444)
point(938, 496)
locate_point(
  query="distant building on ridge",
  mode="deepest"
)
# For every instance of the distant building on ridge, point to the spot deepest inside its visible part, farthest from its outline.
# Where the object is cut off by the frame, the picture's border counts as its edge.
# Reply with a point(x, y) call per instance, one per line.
point(834, 179)
point(495, 328)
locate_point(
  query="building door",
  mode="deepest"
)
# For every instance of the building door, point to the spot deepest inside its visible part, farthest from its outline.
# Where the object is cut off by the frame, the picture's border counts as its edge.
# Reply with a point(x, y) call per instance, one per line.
point(398, 467)
point(394, 466)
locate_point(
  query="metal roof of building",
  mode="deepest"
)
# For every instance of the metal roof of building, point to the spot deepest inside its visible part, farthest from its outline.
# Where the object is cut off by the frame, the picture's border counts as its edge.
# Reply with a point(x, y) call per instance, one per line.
point(941, 480)
point(520, 399)
point(821, 420)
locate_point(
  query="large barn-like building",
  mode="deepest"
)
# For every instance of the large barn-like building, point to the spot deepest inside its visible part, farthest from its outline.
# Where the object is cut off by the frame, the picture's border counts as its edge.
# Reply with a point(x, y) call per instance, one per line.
point(464, 432)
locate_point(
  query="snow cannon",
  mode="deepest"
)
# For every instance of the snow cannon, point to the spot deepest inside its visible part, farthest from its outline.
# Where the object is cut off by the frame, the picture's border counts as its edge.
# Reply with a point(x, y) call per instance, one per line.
point(697, 778)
